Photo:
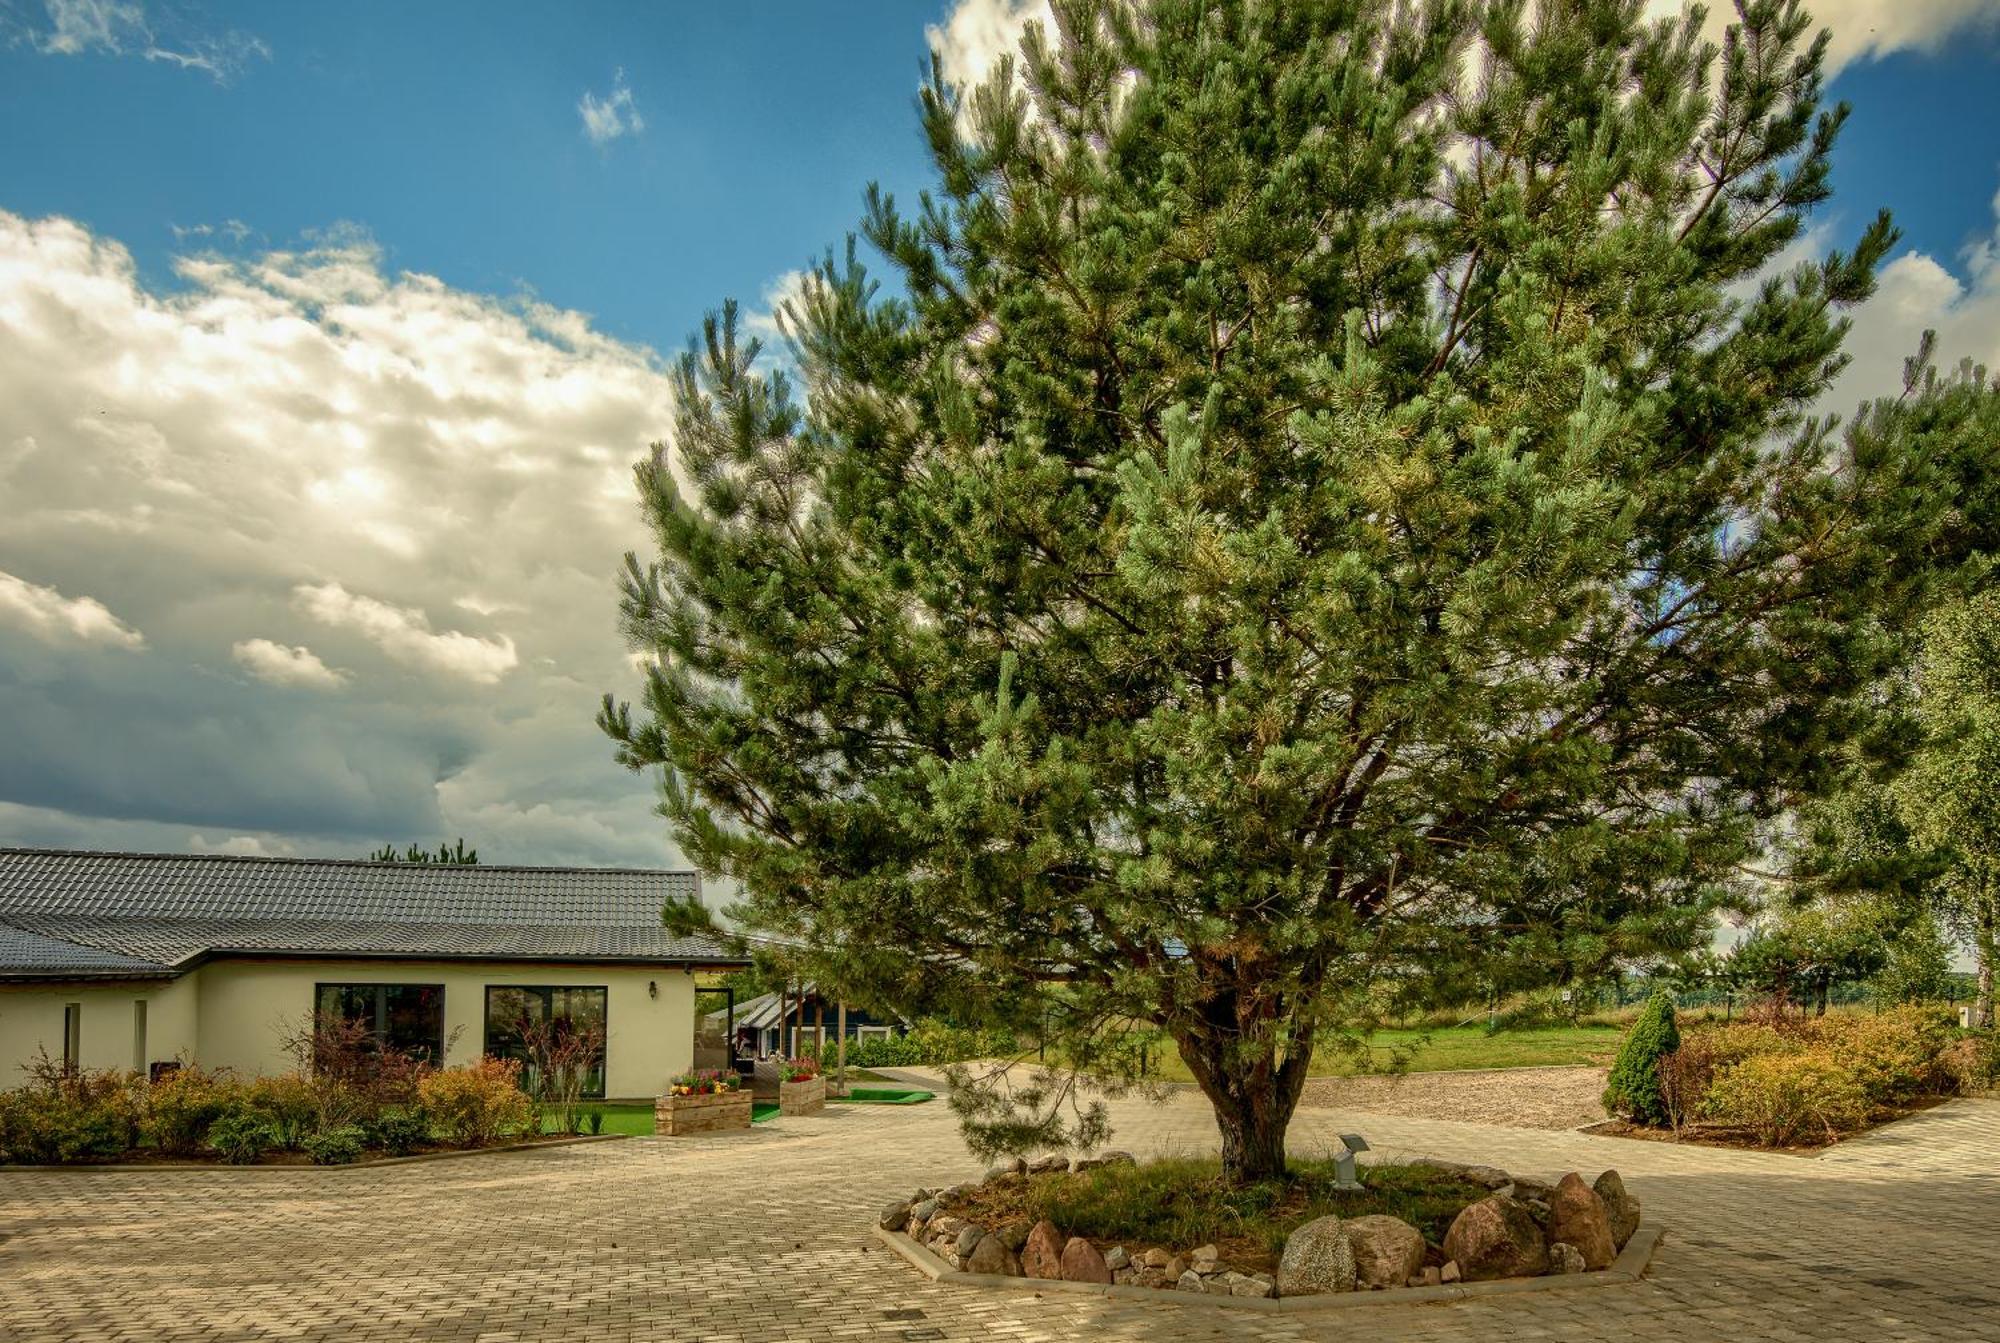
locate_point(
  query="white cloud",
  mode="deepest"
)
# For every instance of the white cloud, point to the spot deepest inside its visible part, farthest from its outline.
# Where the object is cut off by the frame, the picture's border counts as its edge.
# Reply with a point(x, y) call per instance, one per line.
point(448, 476)
point(123, 28)
point(977, 33)
point(54, 618)
point(613, 115)
point(1865, 29)
point(406, 635)
point(282, 664)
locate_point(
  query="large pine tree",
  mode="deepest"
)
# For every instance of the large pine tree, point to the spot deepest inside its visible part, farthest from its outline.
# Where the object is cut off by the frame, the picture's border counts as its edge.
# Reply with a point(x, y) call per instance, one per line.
point(1329, 517)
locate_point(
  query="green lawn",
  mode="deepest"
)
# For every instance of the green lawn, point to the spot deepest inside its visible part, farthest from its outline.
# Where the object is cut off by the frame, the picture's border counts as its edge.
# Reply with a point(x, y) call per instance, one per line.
point(1451, 1049)
point(636, 1119)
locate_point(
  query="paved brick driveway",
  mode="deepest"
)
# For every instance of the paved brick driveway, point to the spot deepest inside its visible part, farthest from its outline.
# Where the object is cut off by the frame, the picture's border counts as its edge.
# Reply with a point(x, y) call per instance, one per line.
point(763, 1237)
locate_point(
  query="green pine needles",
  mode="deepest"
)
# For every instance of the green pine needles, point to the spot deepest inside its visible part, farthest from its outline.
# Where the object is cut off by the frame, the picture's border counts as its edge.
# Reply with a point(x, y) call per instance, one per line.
point(1326, 520)
point(1633, 1089)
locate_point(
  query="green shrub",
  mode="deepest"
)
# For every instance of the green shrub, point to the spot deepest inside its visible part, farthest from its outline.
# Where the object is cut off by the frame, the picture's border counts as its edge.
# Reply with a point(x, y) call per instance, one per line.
point(399, 1132)
point(593, 1121)
point(239, 1136)
point(182, 1104)
point(929, 1041)
point(475, 1105)
point(287, 1104)
point(1634, 1086)
point(75, 1116)
point(1787, 1098)
point(336, 1146)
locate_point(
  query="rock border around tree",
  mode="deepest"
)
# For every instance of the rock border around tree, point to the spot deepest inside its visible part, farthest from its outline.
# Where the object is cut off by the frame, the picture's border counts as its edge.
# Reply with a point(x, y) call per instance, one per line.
point(1570, 1235)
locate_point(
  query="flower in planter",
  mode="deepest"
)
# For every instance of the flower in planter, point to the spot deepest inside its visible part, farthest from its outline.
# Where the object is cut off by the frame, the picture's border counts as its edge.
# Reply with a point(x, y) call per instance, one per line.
point(801, 1070)
point(706, 1082)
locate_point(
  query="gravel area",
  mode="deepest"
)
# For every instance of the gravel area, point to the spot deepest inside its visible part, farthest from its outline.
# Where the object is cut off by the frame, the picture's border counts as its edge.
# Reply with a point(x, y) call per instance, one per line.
point(1544, 1098)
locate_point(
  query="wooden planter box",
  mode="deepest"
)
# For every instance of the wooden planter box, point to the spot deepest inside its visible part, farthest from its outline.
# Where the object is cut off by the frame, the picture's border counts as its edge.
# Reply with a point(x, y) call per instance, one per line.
point(802, 1098)
point(677, 1116)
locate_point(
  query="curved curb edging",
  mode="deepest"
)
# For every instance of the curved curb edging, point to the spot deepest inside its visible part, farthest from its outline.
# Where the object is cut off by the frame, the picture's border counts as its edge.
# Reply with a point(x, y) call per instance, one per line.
point(1629, 1267)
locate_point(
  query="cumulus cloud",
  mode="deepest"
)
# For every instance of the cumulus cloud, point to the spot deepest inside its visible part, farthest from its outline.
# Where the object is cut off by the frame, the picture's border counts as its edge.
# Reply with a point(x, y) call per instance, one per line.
point(615, 114)
point(282, 664)
point(406, 635)
point(292, 460)
point(54, 618)
point(124, 28)
point(977, 33)
point(1863, 29)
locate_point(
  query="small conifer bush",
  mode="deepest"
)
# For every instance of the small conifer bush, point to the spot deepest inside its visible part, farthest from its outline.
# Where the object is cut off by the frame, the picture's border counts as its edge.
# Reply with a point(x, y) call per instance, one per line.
point(1634, 1087)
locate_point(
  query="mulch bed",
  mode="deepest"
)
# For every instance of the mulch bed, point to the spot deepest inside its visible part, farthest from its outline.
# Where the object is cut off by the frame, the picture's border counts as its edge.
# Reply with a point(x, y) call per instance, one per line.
point(1741, 1139)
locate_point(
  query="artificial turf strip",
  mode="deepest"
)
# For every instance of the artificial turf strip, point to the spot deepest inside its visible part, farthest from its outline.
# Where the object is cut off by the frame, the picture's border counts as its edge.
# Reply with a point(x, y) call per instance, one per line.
point(883, 1096)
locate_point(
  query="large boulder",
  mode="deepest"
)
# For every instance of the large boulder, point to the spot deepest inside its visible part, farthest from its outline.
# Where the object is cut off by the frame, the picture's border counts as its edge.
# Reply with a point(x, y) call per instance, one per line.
point(1577, 1217)
point(1082, 1262)
point(1496, 1238)
point(1041, 1255)
point(1317, 1260)
point(895, 1217)
point(991, 1255)
point(1387, 1250)
point(1619, 1206)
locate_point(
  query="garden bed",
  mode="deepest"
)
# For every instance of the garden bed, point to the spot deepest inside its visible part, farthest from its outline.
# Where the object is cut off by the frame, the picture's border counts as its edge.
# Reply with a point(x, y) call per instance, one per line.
point(1746, 1139)
point(1178, 1225)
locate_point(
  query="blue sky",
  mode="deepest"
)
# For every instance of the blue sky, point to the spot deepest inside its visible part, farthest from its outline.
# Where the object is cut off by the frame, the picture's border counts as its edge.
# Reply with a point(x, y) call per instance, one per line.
point(451, 133)
point(329, 333)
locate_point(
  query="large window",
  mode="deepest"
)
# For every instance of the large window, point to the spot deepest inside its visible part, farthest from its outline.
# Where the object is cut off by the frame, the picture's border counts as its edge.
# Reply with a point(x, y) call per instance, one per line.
point(532, 1024)
point(408, 1018)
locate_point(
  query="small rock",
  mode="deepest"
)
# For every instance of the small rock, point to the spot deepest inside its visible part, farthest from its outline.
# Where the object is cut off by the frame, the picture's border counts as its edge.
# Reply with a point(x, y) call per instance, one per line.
point(990, 1255)
point(1115, 1258)
point(1001, 1172)
point(1081, 1262)
point(1154, 1258)
point(1084, 1163)
point(1387, 1250)
point(1432, 1277)
point(1204, 1259)
point(1151, 1277)
point(1565, 1258)
point(921, 1213)
point(1043, 1165)
point(1450, 1272)
point(969, 1237)
point(1577, 1215)
point(1317, 1259)
point(1177, 1266)
point(1215, 1286)
point(1489, 1177)
point(1118, 1158)
point(1619, 1206)
point(1189, 1281)
point(1496, 1237)
point(945, 1227)
point(1013, 1235)
point(1041, 1253)
point(895, 1217)
point(1249, 1287)
point(1528, 1187)
point(1124, 1275)
point(1540, 1211)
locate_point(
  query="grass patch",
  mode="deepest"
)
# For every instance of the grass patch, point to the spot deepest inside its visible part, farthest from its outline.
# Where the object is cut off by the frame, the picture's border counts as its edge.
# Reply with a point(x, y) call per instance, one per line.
point(1178, 1204)
point(1448, 1049)
point(883, 1096)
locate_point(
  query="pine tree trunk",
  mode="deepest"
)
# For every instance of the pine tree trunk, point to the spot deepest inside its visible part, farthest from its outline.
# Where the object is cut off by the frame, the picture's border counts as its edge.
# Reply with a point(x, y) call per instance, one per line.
point(1252, 1066)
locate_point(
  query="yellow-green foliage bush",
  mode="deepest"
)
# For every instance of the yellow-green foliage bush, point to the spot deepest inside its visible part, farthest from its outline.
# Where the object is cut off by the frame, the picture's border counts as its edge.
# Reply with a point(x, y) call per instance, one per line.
point(78, 1115)
point(1800, 1095)
point(287, 1104)
point(1896, 1056)
point(182, 1104)
point(474, 1105)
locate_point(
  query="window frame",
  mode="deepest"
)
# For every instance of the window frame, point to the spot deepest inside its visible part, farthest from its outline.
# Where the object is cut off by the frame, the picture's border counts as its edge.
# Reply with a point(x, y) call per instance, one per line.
point(547, 992)
point(381, 1023)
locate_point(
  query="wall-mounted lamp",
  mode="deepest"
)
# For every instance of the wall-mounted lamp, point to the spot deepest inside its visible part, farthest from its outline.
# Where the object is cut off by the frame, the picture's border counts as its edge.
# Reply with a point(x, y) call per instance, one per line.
point(652, 988)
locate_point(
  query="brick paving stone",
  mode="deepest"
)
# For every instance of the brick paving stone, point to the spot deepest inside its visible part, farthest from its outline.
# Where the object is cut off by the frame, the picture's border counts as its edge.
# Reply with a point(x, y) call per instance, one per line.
point(763, 1237)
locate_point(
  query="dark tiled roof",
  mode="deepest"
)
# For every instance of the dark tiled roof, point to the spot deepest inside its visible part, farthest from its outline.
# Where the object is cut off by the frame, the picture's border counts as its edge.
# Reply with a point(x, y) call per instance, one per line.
point(138, 911)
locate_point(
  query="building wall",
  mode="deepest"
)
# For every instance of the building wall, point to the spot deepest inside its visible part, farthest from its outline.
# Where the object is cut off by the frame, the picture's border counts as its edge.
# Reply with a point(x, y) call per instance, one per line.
point(236, 1014)
point(31, 1019)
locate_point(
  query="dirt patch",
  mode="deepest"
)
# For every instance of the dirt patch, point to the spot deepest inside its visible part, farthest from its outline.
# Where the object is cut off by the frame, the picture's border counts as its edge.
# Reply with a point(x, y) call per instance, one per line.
point(1541, 1098)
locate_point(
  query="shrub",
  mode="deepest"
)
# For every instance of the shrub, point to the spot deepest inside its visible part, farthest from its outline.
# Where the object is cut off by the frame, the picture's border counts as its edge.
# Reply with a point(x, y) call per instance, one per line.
point(288, 1106)
point(477, 1104)
point(929, 1041)
point(1791, 1097)
point(182, 1104)
point(1896, 1056)
point(593, 1121)
point(1634, 1086)
point(239, 1136)
point(70, 1116)
point(1687, 1074)
point(1972, 1062)
point(336, 1146)
point(353, 1077)
point(399, 1132)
